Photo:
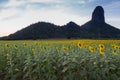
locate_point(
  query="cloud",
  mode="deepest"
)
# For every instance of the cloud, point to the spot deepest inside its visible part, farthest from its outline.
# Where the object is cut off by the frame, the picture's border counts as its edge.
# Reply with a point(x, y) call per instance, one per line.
point(17, 14)
point(57, 17)
point(13, 8)
point(45, 1)
point(10, 14)
point(113, 19)
point(16, 3)
point(58, 1)
point(112, 11)
point(113, 5)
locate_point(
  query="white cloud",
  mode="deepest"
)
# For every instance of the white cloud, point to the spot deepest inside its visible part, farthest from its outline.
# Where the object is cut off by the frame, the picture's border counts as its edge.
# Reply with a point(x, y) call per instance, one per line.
point(113, 4)
point(114, 21)
point(46, 1)
point(58, 1)
point(58, 17)
point(9, 14)
point(13, 18)
point(14, 3)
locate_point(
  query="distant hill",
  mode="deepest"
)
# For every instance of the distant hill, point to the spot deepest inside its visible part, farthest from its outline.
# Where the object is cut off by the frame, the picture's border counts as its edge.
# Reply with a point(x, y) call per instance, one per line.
point(71, 30)
point(96, 28)
point(40, 30)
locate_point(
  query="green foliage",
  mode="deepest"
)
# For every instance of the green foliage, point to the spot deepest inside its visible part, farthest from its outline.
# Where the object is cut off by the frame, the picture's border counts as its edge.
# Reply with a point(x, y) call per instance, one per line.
point(42, 61)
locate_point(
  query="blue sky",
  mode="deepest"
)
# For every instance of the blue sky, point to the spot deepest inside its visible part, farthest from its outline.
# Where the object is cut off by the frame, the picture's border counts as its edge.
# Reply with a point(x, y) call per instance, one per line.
point(17, 14)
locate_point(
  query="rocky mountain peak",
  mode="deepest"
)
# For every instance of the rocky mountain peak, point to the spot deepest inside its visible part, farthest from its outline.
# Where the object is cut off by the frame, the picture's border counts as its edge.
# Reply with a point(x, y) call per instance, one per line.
point(98, 15)
point(71, 23)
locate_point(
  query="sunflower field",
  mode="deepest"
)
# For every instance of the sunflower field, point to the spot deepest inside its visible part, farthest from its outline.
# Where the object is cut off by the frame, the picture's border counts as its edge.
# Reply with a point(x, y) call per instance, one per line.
point(60, 60)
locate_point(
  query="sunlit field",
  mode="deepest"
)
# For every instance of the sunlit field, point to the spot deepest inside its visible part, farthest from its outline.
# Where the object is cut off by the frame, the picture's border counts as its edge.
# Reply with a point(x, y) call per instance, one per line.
point(60, 60)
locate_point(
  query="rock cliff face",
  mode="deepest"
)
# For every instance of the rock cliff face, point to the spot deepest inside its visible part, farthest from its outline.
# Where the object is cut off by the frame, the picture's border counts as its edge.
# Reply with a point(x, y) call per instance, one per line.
point(98, 15)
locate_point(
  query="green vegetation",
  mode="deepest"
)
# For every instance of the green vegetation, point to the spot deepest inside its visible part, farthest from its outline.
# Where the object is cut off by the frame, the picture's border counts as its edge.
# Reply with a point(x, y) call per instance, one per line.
point(60, 60)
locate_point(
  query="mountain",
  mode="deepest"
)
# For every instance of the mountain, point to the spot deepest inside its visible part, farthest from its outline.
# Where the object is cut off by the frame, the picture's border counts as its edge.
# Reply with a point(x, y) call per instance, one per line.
point(71, 30)
point(96, 28)
point(40, 30)
point(45, 30)
point(98, 15)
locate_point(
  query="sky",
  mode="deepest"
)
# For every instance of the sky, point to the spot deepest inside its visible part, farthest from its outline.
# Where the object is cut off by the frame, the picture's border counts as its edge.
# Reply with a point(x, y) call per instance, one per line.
point(18, 14)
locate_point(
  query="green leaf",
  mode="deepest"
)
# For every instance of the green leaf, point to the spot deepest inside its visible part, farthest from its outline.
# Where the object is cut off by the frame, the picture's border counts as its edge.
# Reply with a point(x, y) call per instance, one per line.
point(65, 69)
point(64, 63)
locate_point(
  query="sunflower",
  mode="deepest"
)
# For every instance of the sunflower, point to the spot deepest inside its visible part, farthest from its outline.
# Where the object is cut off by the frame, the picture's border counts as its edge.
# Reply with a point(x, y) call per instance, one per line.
point(33, 51)
point(87, 46)
point(101, 51)
point(91, 49)
point(101, 46)
point(36, 43)
point(116, 47)
point(7, 46)
point(80, 45)
point(15, 46)
point(64, 49)
point(114, 52)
